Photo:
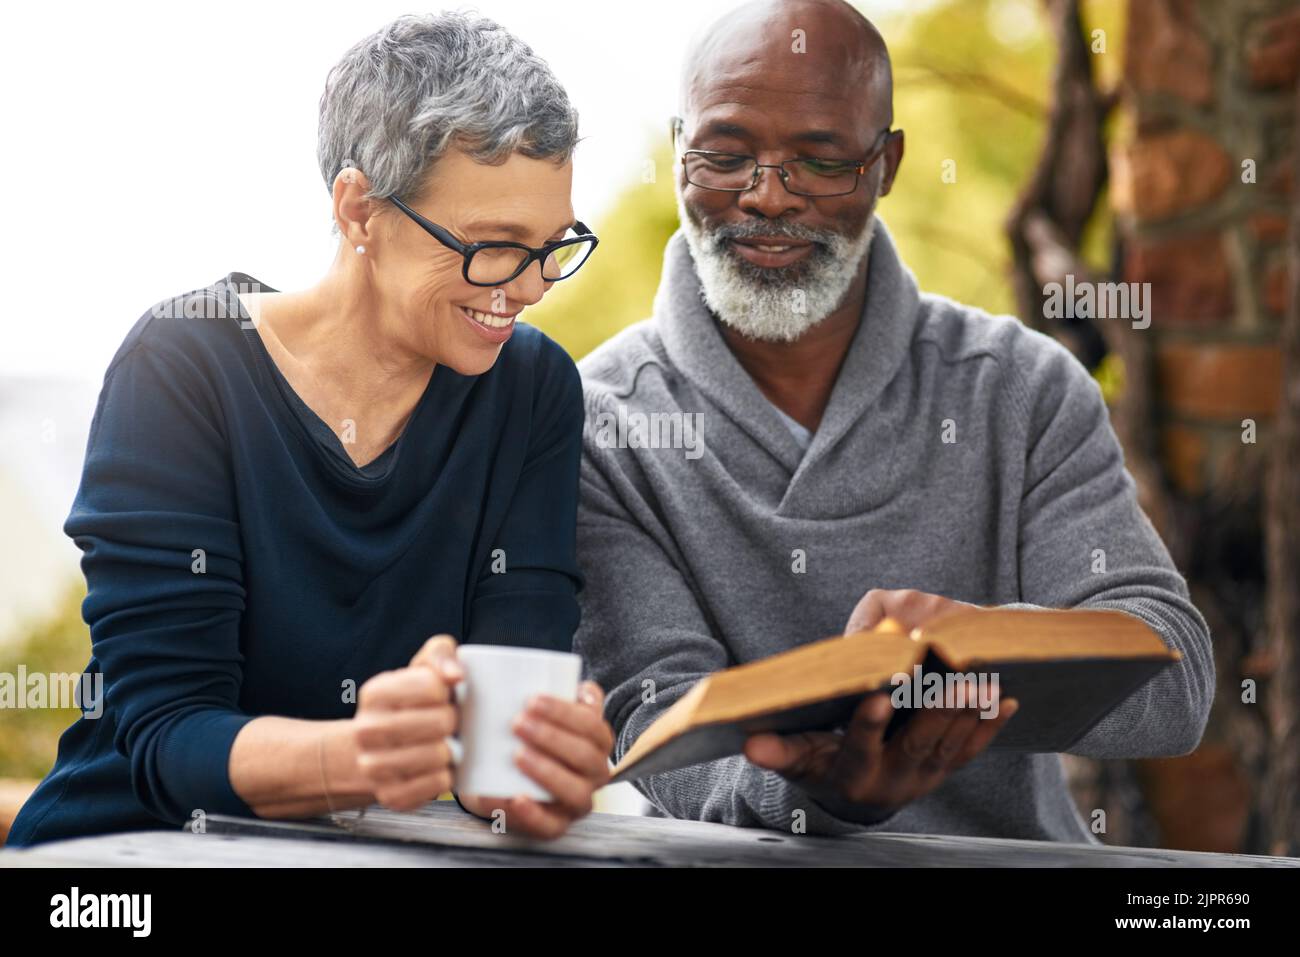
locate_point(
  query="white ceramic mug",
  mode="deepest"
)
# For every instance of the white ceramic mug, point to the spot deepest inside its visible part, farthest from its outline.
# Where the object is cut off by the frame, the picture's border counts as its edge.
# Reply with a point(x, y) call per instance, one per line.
point(499, 680)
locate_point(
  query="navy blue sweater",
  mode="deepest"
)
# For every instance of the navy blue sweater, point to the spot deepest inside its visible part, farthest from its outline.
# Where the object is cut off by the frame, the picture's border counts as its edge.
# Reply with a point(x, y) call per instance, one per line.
point(239, 564)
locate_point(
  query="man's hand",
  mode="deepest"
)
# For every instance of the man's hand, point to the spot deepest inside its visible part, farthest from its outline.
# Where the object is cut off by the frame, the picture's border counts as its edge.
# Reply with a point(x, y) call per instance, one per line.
point(566, 750)
point(856, 775)
point(908, 607)
point(859, 777)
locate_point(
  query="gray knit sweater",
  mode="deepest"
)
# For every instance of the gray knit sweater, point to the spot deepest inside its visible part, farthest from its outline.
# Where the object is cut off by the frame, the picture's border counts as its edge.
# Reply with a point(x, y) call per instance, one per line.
point(961, 454)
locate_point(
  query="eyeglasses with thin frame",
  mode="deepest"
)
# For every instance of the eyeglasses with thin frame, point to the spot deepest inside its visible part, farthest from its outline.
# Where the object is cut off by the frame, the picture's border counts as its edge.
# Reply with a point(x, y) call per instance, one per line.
point(498, 262)
point(803, 176)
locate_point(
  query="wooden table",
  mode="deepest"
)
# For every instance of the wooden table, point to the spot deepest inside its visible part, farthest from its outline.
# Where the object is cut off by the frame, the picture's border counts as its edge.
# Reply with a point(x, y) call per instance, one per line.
point(442, 835)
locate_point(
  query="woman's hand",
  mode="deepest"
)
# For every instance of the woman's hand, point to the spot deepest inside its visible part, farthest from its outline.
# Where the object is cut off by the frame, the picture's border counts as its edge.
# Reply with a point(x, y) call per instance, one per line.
point(402, 722)
point(566, 747)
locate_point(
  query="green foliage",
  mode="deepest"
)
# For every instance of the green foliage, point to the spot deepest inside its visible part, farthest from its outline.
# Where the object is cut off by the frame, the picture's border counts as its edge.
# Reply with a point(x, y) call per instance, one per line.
point(616, 288)
point(29, 736)
point(973, 106)
point(1110, 377)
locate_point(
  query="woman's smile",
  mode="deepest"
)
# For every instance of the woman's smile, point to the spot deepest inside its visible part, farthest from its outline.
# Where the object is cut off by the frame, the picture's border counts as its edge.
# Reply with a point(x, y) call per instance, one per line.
point(494, 327)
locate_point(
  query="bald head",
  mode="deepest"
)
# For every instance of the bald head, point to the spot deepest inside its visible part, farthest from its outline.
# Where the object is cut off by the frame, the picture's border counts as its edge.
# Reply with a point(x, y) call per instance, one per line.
point(807, 47)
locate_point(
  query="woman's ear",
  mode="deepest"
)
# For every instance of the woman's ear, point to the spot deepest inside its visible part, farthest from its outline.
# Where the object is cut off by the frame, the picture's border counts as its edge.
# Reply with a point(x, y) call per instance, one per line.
point(353, 210)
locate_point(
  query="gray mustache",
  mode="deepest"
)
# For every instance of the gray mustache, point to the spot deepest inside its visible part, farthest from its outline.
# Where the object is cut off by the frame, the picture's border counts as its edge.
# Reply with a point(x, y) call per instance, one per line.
point(773, 228)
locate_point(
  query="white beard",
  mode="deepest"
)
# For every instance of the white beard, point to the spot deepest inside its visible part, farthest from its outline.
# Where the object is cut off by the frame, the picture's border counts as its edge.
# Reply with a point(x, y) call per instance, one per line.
point(775, 305)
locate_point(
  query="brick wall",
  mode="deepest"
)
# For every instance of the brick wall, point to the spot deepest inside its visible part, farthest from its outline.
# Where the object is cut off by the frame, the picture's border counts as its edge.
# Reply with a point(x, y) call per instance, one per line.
point(1201, 186)
point(1209, 86)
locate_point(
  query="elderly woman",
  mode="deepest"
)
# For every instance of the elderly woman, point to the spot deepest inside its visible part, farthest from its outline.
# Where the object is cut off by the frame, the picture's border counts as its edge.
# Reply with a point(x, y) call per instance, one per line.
point(286, 494)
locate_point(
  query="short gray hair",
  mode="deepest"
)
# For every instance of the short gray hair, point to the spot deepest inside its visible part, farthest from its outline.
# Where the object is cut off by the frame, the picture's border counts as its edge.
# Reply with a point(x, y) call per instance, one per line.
point(400, 98)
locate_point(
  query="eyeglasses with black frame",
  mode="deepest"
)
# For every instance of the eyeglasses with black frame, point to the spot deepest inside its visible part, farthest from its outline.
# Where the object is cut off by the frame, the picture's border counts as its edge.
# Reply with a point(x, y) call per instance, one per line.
point(803, 176)
point(497, 263)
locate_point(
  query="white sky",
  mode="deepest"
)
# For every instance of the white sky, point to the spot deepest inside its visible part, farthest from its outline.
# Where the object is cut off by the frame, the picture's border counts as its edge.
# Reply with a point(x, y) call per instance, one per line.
point(153, 147)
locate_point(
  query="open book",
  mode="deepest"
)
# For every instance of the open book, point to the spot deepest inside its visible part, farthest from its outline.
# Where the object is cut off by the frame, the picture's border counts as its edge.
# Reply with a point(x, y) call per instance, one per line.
point(1066, 669)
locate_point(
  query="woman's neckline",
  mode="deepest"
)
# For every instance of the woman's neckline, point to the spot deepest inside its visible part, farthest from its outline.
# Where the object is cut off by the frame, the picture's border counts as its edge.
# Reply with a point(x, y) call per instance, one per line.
point(332, 448)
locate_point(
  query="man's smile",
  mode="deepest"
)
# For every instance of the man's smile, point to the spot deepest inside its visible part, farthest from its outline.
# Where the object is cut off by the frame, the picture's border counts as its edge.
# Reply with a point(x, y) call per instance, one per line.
point(771, 252)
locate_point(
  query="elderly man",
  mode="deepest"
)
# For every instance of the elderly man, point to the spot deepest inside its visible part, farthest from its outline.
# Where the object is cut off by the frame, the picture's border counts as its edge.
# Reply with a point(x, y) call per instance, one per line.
point(867, 450)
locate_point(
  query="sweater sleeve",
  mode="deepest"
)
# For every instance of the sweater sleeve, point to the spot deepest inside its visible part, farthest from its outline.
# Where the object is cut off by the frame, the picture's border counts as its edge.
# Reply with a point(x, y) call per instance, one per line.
point(646, 642)
point(527, 592)
point(1086, 543)
point(155, 519)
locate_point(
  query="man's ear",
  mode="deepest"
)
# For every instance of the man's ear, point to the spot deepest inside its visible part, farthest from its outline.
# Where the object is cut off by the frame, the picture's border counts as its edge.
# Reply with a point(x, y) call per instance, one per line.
point(675, 125)
point(893, 158)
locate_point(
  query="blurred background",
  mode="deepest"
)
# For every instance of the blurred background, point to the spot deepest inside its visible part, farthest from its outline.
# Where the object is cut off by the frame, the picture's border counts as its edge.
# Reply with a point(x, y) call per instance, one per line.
point(1136, 140)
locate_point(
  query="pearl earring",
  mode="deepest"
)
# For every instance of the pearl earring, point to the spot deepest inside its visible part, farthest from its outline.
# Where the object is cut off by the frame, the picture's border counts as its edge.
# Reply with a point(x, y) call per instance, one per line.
point(361, 250)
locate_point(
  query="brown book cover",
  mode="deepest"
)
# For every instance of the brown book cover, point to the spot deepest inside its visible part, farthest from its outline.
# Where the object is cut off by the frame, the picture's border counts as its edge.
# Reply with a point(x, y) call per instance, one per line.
point(1067, 669)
